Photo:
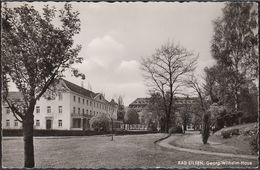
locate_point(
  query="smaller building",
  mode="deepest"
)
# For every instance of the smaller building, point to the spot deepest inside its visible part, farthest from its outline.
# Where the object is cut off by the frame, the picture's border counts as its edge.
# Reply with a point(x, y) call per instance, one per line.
point(139, 104)
point(181, 105)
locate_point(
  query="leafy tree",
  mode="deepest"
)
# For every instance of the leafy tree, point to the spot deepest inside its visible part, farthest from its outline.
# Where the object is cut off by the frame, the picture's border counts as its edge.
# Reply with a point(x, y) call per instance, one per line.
point(121, 110)
point(249, 102)
point(100, 123)
point(235, 44)
point(132, 117)
point(163, 72)
point(34, 53)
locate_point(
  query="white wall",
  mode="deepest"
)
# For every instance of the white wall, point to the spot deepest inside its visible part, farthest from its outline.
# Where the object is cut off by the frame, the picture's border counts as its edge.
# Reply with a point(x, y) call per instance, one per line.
point(54, 115)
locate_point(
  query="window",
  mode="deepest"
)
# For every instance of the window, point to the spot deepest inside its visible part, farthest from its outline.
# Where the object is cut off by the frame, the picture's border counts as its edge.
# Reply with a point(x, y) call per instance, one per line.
point(90, 112)
point(94, 104)
point(60, 95)
point(79, 99)
point(37, 123)
point(7, 110)
point(83, 101)
point(60, 109)
point(90, 103)
point(60, 123)
point(83, 111)
point(87, 111)
point(74, 98)
point(87, 102)
point(37, 109)
point(48, 109)
point(7, 123)
point(74, 109)
point(78, 110)
point(15, 123)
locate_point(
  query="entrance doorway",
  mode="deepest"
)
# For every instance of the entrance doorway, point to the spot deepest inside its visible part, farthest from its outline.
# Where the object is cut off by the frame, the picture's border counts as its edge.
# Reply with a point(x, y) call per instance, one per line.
point(48, 124)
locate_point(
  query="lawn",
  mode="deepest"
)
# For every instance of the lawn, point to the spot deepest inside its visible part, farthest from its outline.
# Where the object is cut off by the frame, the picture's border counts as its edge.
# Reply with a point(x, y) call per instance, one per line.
point(236, 144)
point(130, 151)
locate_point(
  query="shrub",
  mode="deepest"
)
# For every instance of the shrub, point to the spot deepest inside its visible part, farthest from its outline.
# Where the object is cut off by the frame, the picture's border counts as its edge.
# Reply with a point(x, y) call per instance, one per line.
point(152, 126)
point(254, 140)
point(225, 134)
point(176, 129)
point(228, 133)
point(100, 123)
point(205, 128)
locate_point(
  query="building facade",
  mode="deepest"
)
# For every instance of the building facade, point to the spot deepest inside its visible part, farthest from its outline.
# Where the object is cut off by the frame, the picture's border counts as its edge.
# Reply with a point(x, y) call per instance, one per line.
point(182, 106)
point(68, 107)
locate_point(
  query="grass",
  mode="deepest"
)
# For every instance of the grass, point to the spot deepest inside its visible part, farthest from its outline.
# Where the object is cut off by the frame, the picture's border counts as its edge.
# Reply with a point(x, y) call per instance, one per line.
point(237, 144)
point(131, 151)
point(242, 128)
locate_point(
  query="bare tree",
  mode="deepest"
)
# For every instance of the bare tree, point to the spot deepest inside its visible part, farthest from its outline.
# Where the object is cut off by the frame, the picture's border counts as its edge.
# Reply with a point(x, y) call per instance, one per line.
point(164, 70)
point(193, 83)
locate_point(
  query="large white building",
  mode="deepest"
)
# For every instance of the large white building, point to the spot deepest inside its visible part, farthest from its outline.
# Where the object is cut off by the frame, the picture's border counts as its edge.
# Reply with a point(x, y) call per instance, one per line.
point(69, 107)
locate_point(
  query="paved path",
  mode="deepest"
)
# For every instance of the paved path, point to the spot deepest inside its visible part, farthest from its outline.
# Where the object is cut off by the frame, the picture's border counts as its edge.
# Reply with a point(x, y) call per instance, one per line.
point(166, 144)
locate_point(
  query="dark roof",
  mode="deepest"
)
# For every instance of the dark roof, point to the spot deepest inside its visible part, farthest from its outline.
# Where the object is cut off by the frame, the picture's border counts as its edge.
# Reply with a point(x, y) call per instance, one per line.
point(15, 95)
point(80, 90)
point(140, 101)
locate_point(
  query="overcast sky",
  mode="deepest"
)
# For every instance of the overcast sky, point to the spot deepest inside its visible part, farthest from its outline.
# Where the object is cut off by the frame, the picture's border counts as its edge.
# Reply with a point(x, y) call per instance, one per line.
point(114, 36)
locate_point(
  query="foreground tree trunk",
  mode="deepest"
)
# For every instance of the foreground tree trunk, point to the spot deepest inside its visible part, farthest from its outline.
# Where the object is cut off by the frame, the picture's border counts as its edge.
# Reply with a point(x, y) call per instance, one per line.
point(28, 141)
point(167, 123)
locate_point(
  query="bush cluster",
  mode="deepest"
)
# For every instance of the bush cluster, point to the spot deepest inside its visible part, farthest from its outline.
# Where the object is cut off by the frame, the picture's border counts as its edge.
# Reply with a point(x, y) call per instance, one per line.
point(253, 139)
point(228, 133)
point(100, 123)
point(176, 129)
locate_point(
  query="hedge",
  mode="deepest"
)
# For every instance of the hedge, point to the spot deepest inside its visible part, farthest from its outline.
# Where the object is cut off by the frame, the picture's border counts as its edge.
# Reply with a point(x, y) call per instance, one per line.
point(18, 132)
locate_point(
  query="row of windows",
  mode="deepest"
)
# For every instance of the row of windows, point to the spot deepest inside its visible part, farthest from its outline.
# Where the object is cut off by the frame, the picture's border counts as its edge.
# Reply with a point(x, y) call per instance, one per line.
point(37, 123)
point(38, 110)
point(8, 123)
point(48, 109)
point(137, 106)
point(90, 103)
point(184, 101)
point(87, 111)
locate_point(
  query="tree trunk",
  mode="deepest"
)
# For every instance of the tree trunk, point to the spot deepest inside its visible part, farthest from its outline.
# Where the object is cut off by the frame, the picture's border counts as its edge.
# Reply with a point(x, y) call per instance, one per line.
point(167, 123)
point(28, 141)
point(184, 126)
point(112, 129)
point(236, 100)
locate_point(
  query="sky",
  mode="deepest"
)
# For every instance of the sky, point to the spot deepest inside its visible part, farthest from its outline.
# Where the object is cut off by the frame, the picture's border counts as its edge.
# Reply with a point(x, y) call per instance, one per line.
point(114, 37)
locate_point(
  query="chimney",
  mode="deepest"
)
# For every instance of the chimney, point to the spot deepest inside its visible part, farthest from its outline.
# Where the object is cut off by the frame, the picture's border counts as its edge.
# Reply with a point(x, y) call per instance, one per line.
point(82, 84)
